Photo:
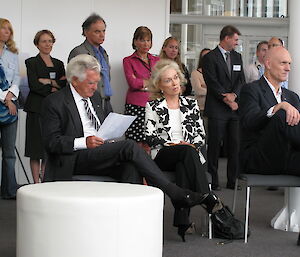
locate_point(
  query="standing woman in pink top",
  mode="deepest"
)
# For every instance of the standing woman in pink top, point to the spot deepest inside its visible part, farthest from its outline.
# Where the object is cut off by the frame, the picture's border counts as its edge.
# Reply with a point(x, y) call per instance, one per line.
point(137, 69)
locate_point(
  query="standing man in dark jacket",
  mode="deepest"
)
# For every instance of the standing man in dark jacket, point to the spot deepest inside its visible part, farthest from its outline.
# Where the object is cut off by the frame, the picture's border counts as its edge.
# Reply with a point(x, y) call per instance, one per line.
point(93, 28)
point(224, 77)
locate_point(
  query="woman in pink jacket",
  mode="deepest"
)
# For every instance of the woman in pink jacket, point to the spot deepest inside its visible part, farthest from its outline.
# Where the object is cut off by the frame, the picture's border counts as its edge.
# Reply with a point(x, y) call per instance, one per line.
point(137, 69)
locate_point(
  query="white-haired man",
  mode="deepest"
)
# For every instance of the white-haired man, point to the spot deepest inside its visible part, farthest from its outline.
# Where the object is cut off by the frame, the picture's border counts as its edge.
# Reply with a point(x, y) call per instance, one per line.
point(70, 120)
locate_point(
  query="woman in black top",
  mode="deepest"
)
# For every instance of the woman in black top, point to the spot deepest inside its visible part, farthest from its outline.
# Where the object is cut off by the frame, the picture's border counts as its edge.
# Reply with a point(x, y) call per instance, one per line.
point(45, 76)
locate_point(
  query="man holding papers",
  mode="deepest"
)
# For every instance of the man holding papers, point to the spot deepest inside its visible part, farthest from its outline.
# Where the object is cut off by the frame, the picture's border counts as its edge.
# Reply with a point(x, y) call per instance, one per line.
point(70, 121)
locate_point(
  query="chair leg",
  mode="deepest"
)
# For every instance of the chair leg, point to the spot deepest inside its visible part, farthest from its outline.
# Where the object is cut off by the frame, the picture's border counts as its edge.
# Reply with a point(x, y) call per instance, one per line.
point(209, 221)
point(209, 227)
point(234, 195)
point(247, 213)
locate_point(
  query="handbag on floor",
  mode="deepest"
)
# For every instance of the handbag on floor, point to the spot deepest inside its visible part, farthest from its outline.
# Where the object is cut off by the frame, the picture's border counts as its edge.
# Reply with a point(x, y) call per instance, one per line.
point(226, 226)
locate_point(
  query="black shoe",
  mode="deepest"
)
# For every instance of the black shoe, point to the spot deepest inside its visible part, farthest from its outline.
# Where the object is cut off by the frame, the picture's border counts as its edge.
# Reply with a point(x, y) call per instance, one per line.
point(189, 199)
point(211, 202)
point(216, 187)
point(298, 242)
point(182, 230)
point(232, 186)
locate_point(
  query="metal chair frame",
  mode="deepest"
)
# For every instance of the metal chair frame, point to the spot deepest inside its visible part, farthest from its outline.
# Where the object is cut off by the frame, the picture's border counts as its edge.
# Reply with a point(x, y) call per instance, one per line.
point(258, 180)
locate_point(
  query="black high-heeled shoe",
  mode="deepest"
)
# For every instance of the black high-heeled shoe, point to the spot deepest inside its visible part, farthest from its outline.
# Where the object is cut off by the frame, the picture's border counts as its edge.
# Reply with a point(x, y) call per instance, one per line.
point(189, 200)
point(182, 230)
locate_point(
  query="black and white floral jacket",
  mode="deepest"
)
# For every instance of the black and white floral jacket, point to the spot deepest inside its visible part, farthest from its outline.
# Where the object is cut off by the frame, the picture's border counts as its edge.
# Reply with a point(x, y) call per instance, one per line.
point(157, 127)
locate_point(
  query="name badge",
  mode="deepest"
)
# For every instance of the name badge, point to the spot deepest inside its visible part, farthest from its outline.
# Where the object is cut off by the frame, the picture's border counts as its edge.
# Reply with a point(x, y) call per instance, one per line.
point(236, 67)
point(52, 75)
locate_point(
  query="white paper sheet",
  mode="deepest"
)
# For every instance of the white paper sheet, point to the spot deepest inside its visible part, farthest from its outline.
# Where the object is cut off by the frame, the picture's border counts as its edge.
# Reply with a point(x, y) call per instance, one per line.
point(115, 125)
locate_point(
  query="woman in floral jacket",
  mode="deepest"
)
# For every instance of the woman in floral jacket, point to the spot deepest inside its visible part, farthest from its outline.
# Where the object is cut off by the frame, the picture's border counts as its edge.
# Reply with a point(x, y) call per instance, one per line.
point(175, 133)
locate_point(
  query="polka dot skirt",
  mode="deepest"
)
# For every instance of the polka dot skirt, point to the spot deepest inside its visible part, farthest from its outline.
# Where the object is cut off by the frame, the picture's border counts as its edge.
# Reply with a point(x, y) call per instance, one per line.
point(136, 131)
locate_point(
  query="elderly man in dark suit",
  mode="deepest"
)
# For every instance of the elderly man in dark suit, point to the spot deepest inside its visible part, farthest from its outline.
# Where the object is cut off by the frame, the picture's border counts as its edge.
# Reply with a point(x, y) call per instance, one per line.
point(269, 115)
point(70, 121)
point(224, 77)
point(93, 28)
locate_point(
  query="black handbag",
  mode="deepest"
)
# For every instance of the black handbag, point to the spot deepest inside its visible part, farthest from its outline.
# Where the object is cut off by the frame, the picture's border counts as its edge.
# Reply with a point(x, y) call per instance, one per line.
point(226, 226)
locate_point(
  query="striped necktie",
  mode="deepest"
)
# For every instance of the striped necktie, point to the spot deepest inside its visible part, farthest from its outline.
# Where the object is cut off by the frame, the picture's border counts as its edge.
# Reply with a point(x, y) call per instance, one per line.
point(90, 115)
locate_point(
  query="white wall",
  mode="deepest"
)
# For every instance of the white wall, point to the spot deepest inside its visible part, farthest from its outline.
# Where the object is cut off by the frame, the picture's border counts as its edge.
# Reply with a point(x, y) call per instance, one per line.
point(64, 19)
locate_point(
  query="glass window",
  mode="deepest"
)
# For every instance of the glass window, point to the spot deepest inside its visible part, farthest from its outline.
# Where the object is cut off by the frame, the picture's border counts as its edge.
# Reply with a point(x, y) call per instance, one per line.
point(247, 8)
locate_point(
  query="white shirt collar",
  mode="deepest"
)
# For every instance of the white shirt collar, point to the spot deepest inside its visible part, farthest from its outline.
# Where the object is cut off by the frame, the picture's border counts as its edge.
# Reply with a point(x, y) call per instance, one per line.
point(223, 51)
point(77, 97)
point(277, 95)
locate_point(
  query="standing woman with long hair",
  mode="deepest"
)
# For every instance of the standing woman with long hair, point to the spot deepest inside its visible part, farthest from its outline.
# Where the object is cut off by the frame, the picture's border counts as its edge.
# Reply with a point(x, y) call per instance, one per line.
point(9, 91)
point(45, 76)
point(137, 69)
point(199, 85)
point(171, 50)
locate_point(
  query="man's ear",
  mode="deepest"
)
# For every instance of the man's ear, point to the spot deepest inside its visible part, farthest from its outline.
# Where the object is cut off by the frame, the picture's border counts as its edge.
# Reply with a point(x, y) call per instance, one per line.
point(75, 81)
point(267, 63)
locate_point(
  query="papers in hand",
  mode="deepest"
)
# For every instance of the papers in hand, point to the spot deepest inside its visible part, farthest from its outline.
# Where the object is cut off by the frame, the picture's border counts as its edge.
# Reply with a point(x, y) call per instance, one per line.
point(114, 126)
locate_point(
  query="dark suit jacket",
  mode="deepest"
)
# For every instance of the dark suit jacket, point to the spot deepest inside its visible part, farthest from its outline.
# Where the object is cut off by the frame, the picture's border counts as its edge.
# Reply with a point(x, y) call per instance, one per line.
point(36, 68)
point(256, 99)
point(87, 48)
point(61, 124)
point(219, 81)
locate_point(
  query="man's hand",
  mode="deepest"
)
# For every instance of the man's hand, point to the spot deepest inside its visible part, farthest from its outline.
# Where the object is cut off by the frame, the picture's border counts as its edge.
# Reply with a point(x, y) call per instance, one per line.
point(229, 97)
point(292, 114)
point(182, 143)
point(233, 106)
point(93, 142)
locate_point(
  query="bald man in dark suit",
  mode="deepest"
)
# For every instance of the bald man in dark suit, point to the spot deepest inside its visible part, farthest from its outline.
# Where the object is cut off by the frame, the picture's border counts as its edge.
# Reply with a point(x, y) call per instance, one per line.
point(269, 115)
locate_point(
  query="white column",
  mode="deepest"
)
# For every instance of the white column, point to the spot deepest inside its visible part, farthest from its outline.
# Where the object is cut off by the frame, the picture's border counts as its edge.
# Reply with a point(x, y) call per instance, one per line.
point(293, 44)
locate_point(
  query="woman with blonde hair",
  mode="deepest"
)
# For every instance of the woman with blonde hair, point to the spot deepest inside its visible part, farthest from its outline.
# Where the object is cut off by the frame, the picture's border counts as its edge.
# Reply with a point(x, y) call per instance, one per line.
point(9, 92)
point(171, 50)
point(175, 133)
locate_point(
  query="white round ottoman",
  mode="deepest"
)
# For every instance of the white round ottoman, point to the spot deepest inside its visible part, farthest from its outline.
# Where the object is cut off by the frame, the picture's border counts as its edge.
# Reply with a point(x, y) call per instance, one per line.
point(89, 219)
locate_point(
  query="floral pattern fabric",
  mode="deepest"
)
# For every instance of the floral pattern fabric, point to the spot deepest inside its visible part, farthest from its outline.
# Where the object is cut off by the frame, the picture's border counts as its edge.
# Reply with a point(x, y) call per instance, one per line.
point(157, 127)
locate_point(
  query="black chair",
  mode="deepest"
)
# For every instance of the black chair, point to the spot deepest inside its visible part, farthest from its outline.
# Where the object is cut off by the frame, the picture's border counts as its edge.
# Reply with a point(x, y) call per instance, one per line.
point(257, 180)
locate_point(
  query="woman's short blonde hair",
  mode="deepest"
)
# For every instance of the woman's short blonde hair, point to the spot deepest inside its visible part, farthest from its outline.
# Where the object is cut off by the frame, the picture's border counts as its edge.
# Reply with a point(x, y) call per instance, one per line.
point(11, 45)
point(160, 67)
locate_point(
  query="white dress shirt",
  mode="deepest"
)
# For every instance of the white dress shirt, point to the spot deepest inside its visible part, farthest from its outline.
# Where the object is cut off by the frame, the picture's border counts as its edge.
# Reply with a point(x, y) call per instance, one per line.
point(88, 128)
point(277, 96)
point(223, 51)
